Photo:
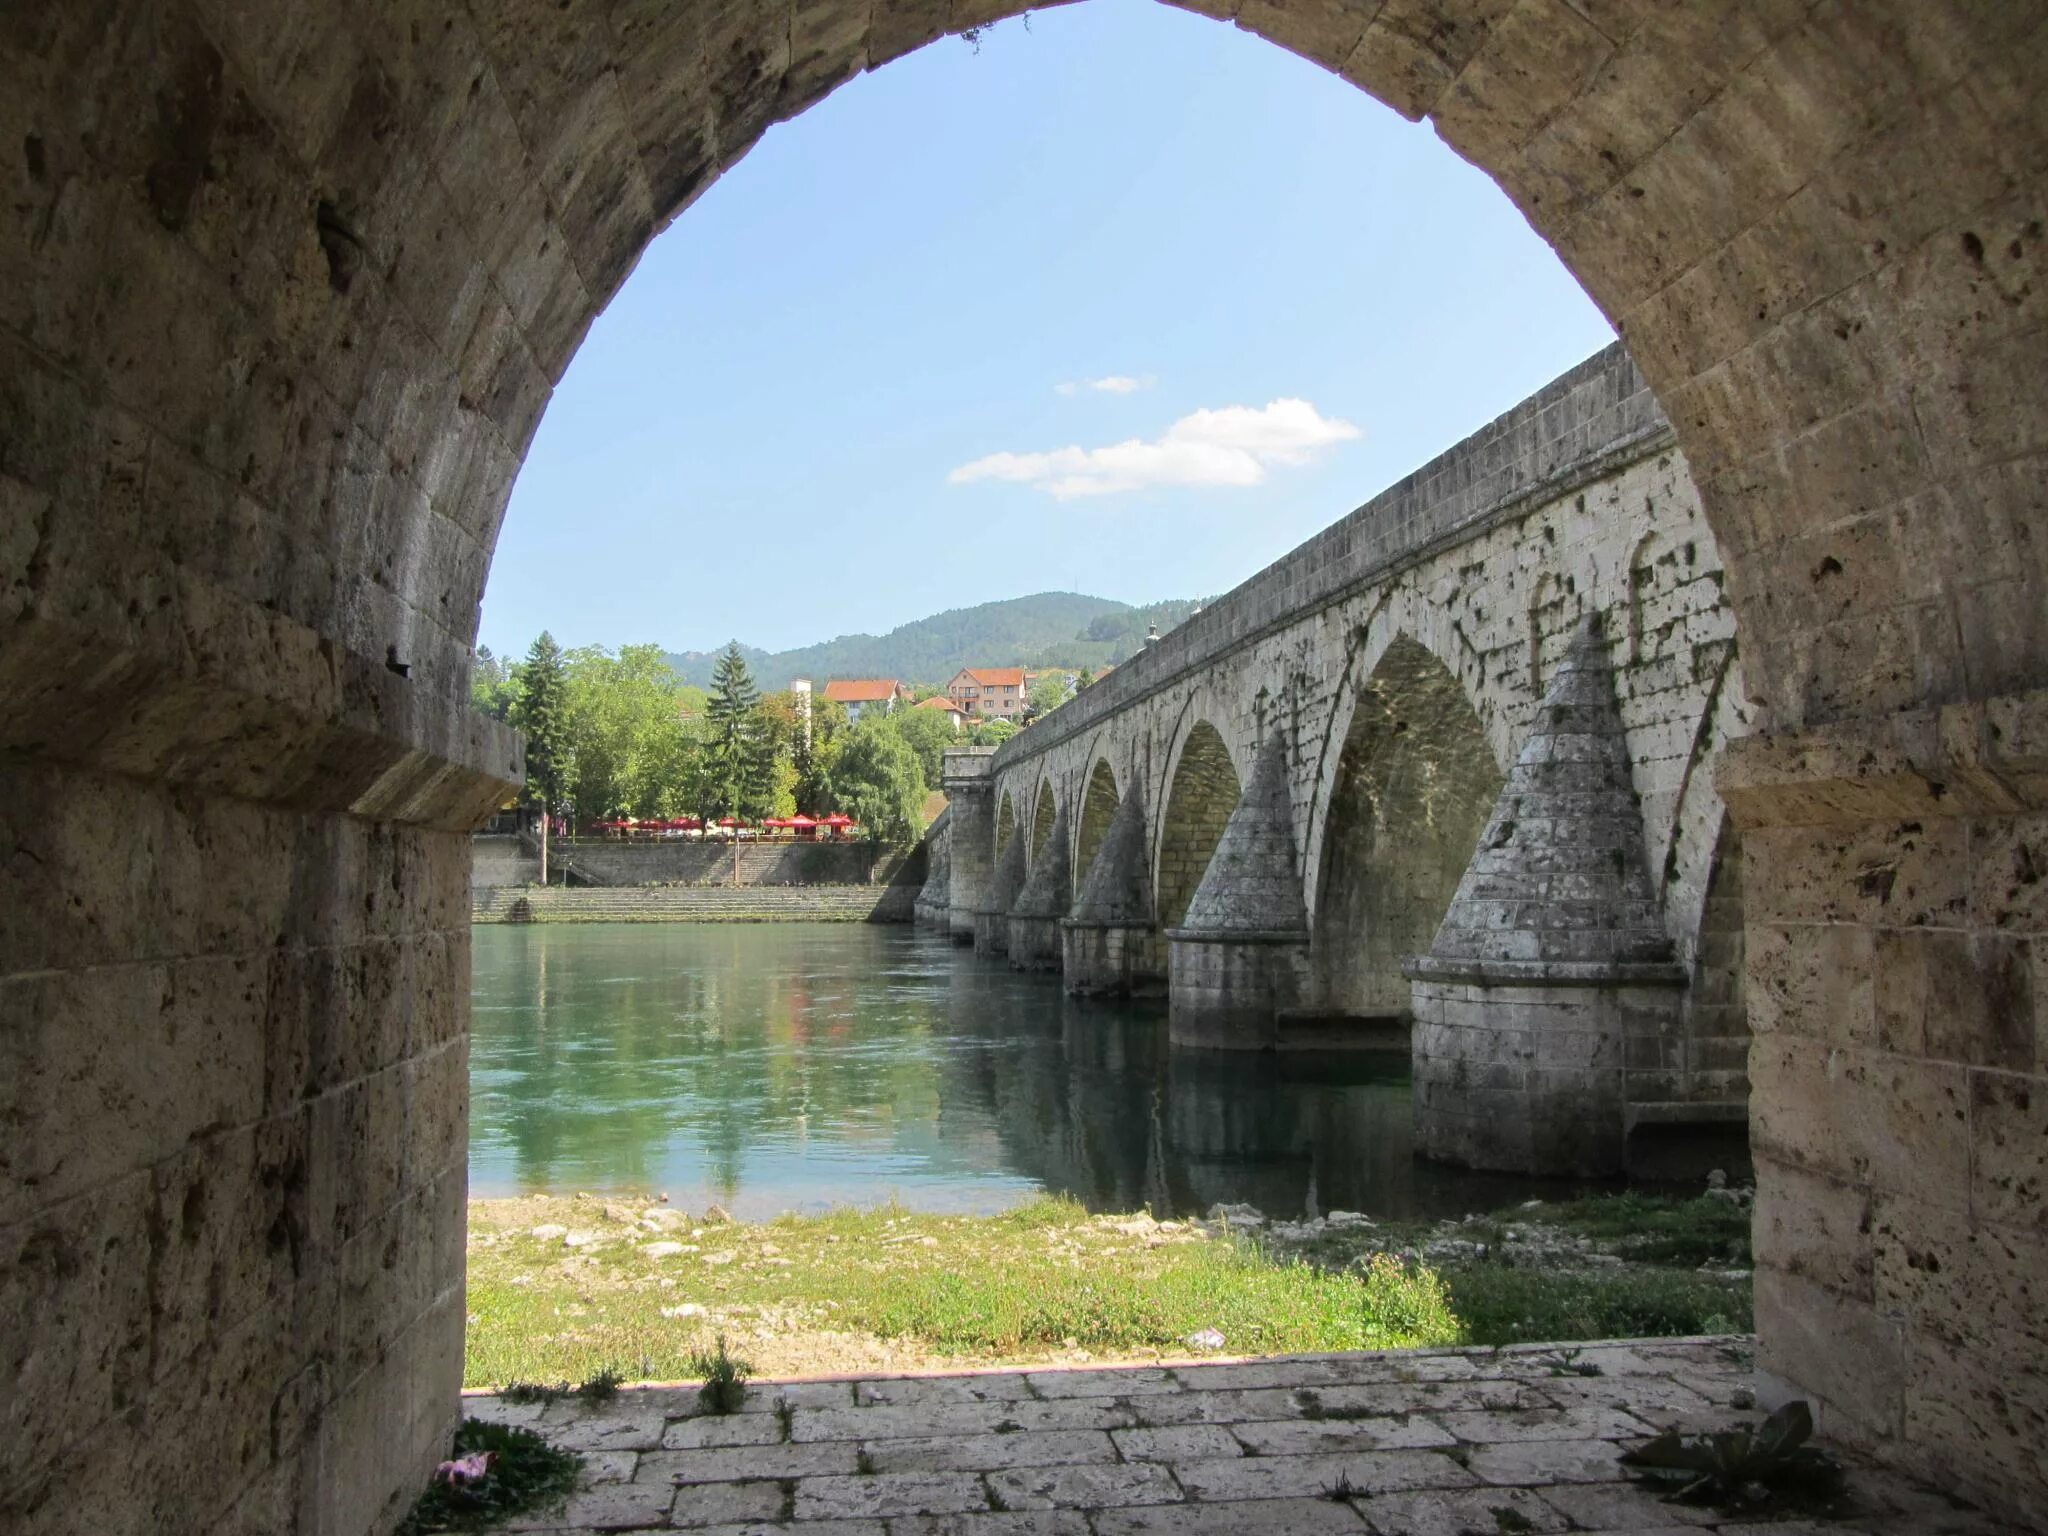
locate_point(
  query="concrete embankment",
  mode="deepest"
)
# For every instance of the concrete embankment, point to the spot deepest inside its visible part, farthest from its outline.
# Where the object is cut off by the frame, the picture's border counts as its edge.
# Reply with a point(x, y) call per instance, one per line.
point(694, 904)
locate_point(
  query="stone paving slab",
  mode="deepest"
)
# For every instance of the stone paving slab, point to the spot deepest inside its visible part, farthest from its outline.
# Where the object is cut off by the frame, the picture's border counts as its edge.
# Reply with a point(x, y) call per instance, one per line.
point(1404, 1443)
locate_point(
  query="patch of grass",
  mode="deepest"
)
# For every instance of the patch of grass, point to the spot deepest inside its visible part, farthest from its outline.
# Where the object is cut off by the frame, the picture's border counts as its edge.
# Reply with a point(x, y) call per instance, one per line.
point(1504, 1305)
point(725, 1378)
point(1657, 1229)
point(526, 1474)
point(1027, 1283)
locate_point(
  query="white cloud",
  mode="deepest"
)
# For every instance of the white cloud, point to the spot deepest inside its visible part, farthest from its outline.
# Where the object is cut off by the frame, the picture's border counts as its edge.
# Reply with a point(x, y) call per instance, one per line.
point(1232, 446)
point(1112, 384)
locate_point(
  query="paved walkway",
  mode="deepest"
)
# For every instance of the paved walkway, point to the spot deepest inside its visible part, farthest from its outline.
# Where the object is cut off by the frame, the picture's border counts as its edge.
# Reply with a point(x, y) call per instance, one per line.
point(1420, 1443)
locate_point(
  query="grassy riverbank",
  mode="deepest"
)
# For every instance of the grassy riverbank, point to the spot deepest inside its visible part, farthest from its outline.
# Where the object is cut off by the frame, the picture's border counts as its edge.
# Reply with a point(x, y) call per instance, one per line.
point(563, 1289)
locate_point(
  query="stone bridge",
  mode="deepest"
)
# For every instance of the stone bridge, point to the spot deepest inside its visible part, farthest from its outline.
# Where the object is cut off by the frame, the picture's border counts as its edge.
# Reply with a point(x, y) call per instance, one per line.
point(1490, 693)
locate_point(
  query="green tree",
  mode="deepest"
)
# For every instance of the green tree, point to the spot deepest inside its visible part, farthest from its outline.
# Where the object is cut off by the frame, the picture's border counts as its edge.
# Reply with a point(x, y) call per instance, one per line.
point(540, 710)
point(813, 756)
point(633, 751)
point(929, 732)
point(991, 733)
point(1049, 690)
point(491, 689)
point(879, 783)
point(741, 757)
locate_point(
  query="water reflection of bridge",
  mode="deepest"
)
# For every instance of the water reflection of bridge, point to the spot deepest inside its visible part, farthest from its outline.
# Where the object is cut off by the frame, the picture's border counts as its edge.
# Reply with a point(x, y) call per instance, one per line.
point(1090, 1100)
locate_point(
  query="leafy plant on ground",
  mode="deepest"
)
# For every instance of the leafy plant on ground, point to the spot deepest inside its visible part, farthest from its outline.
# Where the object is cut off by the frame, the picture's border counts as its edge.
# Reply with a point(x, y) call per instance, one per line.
point(602, 1387)
point(526, 1473)
point(1501, 1304)
point(1743, 1468)
point(725, 1378)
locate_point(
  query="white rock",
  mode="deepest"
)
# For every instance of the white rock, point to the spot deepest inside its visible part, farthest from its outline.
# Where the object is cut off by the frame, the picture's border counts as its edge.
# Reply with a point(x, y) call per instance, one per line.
point(1237, 1215)
point(549, 1231)
point(1208, 1338)
point(579, 1239)
point(661, 1250)
point(724, 1257)
point(687, 1309)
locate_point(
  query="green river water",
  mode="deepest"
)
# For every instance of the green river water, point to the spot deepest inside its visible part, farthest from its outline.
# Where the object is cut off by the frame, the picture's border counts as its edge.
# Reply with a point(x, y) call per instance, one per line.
point(778, 1067)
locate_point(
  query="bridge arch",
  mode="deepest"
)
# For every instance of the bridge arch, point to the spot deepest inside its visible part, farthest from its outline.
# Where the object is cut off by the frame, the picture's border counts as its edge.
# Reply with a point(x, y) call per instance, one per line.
point(1098, 805)
point(1044, 811)
point(1818, 227)
point(1413, 785)
point(1202, 789)
point(1006, 822)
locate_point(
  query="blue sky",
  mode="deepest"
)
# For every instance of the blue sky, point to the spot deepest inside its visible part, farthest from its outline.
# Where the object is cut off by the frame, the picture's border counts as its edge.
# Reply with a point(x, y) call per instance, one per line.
point(831, 397)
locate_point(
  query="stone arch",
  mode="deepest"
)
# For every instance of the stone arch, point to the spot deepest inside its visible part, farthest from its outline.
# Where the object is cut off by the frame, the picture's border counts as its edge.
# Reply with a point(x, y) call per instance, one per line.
point(321, 297)
point(1006, 822)
point(1415, 782)
point(1045, 809)
point(1202, 791)
point(1098, 805)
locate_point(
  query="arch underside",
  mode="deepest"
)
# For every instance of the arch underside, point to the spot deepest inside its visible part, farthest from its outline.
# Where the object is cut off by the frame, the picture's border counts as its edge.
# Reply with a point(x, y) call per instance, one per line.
point(1098, 806)
point(1041, 820)
point(1415, 785)
point(283, 295)
point(1203, 793)
point(1006, 822)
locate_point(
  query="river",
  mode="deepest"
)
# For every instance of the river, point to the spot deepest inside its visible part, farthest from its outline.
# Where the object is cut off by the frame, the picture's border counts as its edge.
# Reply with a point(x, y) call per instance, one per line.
point(793, 1067)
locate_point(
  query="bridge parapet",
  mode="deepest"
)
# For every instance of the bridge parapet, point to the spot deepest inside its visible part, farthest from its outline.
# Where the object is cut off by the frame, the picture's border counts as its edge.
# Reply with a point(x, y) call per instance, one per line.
point(1571, 432)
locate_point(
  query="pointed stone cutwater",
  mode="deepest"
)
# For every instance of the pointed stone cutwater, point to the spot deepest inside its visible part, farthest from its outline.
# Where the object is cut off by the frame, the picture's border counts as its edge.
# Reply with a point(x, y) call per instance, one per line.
point(1111, 941)
point(1048, 892)
point(992, 923)
point(1240, 956)
point(1553, 956)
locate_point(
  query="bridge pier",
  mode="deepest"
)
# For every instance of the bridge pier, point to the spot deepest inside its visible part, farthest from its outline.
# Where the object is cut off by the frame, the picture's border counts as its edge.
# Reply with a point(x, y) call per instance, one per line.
point(1006, 883)
point(1553, 956)
point(1240, 956)
point(968, 777)
point(1110, 945)
point(1034, 921)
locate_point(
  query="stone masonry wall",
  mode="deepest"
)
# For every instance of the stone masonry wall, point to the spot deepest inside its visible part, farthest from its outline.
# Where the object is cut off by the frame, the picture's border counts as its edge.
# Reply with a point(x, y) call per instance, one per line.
point(501, 859)
point(233, 1080)
point(681, 862)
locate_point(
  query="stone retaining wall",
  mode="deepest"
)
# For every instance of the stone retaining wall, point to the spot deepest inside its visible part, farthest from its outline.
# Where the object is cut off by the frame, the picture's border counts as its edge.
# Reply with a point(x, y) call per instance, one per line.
point(683, 862)
point(694, 904)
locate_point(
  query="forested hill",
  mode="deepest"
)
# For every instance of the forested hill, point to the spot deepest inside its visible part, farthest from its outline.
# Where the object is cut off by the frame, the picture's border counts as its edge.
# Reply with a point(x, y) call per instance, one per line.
point(1048, 629)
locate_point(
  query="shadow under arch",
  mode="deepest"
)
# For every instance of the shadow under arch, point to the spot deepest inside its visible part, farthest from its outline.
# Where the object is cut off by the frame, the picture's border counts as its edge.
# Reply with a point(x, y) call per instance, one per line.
point(1415, 783)
point(1098, 806)
point(1202, 793)
point(1045, 810)
point(1006, 822)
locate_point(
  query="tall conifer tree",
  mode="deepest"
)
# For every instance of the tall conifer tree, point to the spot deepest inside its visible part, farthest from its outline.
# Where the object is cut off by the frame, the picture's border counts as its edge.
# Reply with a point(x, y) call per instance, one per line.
point(540, 711)
point(741, 762)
